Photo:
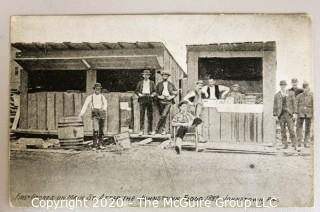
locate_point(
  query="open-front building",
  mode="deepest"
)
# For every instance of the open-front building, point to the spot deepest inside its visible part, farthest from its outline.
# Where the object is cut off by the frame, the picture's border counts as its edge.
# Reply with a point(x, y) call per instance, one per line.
point(252, 66)
point(56, 78)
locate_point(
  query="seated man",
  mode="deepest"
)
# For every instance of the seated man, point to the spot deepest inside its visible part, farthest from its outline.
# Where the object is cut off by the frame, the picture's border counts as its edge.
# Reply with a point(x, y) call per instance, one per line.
point(235, 96)
point(184, 121)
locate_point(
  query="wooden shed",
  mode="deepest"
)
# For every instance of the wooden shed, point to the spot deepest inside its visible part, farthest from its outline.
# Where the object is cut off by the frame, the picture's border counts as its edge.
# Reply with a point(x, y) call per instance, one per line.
point(252, 65)
point(56, 78)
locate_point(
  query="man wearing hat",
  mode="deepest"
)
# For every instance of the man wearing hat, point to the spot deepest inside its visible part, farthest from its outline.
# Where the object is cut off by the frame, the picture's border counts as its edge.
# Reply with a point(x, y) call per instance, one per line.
point(214, 91)
point(146, 91)
point(98, 105)
point(305, 114)
point(235, 96)
point(184, 121)
point(166, 92)
point(295, 88)
point(284, 111)
point(195, 96)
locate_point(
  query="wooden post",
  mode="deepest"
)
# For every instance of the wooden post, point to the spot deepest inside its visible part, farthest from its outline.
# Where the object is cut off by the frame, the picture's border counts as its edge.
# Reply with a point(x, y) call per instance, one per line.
point(23, 123)
point(91, 80)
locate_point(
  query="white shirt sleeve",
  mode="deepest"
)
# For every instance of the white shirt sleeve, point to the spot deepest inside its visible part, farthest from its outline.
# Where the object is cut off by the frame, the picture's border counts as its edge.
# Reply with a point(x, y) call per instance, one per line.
point(224, 90)
point(105, 102)
point(85, 105)
point(205, 91)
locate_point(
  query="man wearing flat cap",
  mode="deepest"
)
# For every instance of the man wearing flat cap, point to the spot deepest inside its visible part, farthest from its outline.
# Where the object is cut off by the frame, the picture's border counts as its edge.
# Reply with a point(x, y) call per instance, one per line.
point(98, 104)
point(166, 92)
point(295, 88)
point(235, 96)
point(146, 91)
point(305, 114)
point(284, 111)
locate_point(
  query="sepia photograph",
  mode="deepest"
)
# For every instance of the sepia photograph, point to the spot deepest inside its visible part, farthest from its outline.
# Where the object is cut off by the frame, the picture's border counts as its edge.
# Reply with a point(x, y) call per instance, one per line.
point(161, 111)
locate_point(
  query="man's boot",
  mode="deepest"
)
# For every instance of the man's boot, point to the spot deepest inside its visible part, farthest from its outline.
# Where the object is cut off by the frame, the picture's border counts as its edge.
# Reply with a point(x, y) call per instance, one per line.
point(100, 139)
point(95, 139)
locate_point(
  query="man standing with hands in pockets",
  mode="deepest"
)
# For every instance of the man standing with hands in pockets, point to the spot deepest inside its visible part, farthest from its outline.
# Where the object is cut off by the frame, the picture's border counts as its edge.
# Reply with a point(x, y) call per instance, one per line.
point(285, 111)
point(166, 92)
point(146, 91)
point(98, 105)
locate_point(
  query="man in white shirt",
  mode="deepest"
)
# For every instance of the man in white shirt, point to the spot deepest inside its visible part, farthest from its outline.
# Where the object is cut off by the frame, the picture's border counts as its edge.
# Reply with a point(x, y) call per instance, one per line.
point(146, 91)
point(98, 105)
point(214, 91)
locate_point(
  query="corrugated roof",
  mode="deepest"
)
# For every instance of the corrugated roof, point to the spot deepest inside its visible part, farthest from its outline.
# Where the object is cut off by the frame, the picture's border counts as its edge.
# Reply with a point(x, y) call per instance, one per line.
point(34, 46)
point(244, 46)
point(49, 46)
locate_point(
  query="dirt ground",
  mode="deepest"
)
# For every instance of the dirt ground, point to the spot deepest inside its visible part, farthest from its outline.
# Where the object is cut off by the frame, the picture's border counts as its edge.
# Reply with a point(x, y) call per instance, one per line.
point(148, 170)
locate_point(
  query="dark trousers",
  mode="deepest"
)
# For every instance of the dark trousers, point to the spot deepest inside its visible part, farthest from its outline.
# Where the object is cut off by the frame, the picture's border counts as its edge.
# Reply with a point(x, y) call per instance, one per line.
point(98, 127)
point(146, 105)
point(307, 122)
point(181, 132)
point(164, 110)
point(286, 121)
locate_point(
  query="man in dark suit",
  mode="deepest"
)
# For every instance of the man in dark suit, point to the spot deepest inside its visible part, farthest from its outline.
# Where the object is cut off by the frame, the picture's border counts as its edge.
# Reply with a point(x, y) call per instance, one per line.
point(305, 114)
point(146, 91)
point(166, 92)
point(284, 111)
point(295, 88)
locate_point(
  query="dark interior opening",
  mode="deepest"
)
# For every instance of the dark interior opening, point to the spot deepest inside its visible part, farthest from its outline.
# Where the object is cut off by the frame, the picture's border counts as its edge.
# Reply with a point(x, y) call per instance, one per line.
point(246, 71)
point(121, 80)
point(236, 68)
point(57, 81)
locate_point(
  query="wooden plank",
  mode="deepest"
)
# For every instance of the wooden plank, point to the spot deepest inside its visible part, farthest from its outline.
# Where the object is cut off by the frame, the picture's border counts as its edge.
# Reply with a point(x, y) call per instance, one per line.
point(204, 131)
point(87, 120)
point(136, 114)
point(145, 141)
point(259, 128)
point(77, 103)
point(42, 110)
point(226, 127)
point(23, 122)
point(241, 127)
point(247, 127)
point(233, 127)
point(32, 111)
point(51, 120)
point(113, 117)
point(16, 119)
point(214, 125)
point(68, 104)
point(252, 128)
point(59, 106)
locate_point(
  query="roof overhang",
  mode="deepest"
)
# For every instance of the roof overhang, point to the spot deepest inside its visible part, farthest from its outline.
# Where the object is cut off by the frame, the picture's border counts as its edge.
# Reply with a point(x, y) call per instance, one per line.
point(86, 63)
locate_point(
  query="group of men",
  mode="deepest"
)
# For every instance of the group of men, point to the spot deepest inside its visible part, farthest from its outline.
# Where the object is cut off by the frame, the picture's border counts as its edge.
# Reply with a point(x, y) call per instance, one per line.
point(292, 108)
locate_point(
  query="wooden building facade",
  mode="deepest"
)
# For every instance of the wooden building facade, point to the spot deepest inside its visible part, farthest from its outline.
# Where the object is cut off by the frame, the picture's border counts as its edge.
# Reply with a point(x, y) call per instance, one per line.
point(253, 67)
point(56, 78)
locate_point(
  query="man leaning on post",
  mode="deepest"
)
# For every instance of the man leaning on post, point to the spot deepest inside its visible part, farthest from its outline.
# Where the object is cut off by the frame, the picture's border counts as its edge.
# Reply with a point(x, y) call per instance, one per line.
point(284, 111)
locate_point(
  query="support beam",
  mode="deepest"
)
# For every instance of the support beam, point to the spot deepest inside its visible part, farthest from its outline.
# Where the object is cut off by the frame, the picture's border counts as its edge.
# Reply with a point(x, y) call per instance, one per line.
point(91, 79)
point(85, 62)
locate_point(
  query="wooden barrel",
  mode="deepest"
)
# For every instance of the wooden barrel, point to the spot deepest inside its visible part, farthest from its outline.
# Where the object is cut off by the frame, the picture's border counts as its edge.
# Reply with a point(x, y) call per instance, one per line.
point(70, 131)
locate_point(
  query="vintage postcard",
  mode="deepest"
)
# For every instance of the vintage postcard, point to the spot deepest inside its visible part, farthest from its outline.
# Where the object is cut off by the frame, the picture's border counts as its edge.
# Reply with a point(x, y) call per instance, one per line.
point(161, 111)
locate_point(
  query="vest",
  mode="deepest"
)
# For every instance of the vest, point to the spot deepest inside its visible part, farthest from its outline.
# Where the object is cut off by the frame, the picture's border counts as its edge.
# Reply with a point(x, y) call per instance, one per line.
point(217, 91)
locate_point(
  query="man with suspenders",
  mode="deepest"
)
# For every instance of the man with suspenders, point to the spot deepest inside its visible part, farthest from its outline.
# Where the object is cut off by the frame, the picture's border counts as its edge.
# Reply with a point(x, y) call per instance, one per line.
point(98, 105)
